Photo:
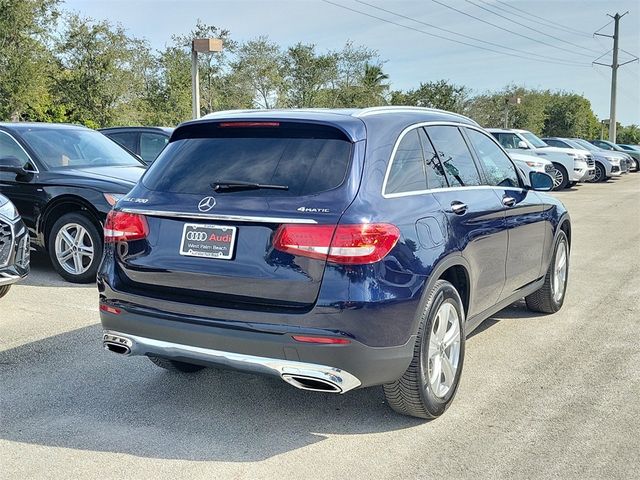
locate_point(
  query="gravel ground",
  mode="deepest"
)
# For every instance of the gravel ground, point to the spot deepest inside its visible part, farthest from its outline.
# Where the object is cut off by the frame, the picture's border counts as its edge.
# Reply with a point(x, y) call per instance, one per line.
point(541, 396)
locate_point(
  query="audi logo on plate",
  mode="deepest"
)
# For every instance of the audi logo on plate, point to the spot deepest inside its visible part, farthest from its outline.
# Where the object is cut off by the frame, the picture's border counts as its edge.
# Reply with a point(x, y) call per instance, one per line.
point(197, 236)
point(206, 204)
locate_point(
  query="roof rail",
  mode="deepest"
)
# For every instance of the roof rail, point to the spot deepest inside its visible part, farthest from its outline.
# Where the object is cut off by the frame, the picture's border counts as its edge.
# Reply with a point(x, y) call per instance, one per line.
point(403, 109)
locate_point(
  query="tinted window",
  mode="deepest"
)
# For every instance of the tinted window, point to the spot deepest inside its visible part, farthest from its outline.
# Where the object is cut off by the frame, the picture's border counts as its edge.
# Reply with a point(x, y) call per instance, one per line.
point(126, 139)
point(497, 166)
point(307, 159)
point(454, 156)
point(69, 148)
point(534, 139)
point(151, 144)
point(435, 173)
point(10, 148)
point(507, 140)
point(407, 172)
point(556, 143)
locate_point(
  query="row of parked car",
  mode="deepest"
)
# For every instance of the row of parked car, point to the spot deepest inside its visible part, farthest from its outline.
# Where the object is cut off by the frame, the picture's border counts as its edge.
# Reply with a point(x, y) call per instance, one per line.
point(64, 179)
point(569, 160)
point(334, 249)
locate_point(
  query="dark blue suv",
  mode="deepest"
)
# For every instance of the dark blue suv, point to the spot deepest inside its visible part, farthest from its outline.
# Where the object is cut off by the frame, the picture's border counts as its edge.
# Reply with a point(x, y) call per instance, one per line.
point(335, 249)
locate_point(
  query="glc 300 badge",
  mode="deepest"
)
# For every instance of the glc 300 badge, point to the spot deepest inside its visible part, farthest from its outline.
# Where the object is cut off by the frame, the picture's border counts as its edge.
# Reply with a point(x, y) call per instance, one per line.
point(206, 204)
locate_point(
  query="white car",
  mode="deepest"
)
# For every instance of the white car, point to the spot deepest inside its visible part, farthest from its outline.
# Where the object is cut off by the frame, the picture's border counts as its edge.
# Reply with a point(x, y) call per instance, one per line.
point(527, 163)
point(571, 165)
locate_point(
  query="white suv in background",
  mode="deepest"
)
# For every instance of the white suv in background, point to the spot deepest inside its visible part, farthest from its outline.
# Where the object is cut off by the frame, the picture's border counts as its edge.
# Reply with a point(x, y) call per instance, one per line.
point(571, 165)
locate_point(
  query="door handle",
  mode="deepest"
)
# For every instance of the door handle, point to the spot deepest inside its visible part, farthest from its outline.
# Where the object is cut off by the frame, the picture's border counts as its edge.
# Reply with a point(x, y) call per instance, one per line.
point(458, 208)
point(508, 201)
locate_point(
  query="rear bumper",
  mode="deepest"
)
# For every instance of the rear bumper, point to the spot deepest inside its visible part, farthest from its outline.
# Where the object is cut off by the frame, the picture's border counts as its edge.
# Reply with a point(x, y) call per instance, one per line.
point(245, 347)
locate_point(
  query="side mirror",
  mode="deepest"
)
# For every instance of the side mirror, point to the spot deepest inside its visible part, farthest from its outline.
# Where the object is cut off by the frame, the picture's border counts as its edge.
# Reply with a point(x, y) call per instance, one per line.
point(540, 181)
point(12, 164)
point(523, 145)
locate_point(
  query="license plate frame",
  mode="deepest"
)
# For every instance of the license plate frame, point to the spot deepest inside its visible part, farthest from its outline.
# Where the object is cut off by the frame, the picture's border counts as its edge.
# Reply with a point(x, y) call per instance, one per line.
point(202, 246)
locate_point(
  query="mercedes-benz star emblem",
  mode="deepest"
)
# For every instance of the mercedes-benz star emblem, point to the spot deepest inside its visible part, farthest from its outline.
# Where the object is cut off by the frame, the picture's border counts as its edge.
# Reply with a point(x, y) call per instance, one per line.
point(206, 204)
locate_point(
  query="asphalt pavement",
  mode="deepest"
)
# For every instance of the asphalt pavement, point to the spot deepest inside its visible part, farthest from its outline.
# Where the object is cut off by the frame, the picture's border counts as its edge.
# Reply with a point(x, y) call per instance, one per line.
point(541, 396)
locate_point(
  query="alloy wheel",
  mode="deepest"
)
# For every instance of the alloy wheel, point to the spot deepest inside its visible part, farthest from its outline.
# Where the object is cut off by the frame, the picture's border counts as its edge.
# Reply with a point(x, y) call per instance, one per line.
point(558, 178)
point(74, 248)
point(599, 174)
point(444, 350)
point(560, 271)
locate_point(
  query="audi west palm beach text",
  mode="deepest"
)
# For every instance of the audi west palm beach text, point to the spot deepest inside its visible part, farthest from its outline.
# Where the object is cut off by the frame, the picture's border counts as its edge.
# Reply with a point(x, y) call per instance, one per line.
point(14, 246)
point(335, 249)
point(63, 179)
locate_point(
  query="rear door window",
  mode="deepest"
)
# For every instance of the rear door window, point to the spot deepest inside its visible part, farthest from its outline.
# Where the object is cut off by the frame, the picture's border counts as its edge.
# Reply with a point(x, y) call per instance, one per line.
point(454, 155)
point(151, 144)
point(306, 158)
point(129, 140)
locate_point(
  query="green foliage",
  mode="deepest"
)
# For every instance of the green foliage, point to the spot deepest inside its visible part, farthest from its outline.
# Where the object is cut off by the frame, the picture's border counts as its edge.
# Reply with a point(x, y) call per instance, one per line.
point(629, 135)
point(25, 60)
point(95, 73)
point(439, 94)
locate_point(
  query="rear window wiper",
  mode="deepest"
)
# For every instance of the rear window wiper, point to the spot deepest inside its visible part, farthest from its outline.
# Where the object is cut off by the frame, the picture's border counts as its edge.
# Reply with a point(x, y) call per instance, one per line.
point(230, 186)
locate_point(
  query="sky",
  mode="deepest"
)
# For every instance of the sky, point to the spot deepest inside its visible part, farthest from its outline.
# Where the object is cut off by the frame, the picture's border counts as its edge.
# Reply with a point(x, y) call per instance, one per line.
point(412, 57)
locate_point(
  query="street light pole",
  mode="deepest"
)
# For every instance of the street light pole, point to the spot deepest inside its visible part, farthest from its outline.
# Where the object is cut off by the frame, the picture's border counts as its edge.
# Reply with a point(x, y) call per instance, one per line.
point(200, 45)
point(195, 84)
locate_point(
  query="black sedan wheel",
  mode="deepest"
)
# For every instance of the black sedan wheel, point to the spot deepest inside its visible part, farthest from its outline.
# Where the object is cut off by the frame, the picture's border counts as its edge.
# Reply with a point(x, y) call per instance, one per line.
point(75, 248)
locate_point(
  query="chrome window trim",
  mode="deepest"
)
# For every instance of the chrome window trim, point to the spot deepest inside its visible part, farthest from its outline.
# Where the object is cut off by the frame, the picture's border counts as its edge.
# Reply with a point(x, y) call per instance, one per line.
point(25, 152)
point(221, 217)
point(433, 190)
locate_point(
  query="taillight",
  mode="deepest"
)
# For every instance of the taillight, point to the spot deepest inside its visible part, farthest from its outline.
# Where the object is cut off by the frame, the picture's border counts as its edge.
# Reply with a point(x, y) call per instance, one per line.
point(124, 227)
point(344, 244)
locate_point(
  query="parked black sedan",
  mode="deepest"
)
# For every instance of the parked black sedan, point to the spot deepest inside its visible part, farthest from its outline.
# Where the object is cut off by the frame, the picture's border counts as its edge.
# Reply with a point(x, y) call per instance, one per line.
point(146, 142)
point(64, 179)
point(14, 246)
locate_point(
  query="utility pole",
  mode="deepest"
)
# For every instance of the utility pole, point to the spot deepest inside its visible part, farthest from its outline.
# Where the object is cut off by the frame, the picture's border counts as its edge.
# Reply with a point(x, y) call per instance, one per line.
point(614, 71)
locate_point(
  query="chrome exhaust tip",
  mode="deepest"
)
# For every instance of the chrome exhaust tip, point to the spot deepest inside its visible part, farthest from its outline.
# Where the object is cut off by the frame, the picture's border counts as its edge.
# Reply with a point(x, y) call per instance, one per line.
point(117, 344)
point(313, 384)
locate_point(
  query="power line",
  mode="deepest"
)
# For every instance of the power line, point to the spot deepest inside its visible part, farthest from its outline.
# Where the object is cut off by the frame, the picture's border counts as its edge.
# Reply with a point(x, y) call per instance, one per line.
point(468, 36)
point(550, 22)
point(442, 37)
point(486, 9)
point(499, 26)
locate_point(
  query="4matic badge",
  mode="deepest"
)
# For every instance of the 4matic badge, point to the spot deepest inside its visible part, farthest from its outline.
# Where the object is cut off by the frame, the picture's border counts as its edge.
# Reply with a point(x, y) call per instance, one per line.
point(312, 210)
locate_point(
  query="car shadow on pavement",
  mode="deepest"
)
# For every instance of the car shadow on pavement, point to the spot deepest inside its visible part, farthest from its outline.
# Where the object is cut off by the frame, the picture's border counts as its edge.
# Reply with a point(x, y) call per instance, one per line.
point(42, 274)
point(515, 311)
point(65, 391)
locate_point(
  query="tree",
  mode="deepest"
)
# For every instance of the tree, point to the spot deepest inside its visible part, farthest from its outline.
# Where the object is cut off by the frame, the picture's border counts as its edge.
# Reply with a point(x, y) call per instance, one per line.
point(629, 135)
point(307, 76)
point(440, 94)
point(569, 115)
point(25, 62)
point(260, 64)
point(101, 82)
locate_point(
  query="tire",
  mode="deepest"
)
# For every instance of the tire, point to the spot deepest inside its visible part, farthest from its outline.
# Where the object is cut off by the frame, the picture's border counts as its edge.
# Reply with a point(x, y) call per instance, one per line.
point(4, 290)
point(560, 177)
point(414, 394)
point(550, 297)
point(572, 184)
point(78, 228)
point(636, 164)
point(175, 365)
point(601, 173)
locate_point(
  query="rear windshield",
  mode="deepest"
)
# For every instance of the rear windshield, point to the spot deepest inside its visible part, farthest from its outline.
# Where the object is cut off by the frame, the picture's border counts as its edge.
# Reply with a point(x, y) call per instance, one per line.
point(308, 159)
